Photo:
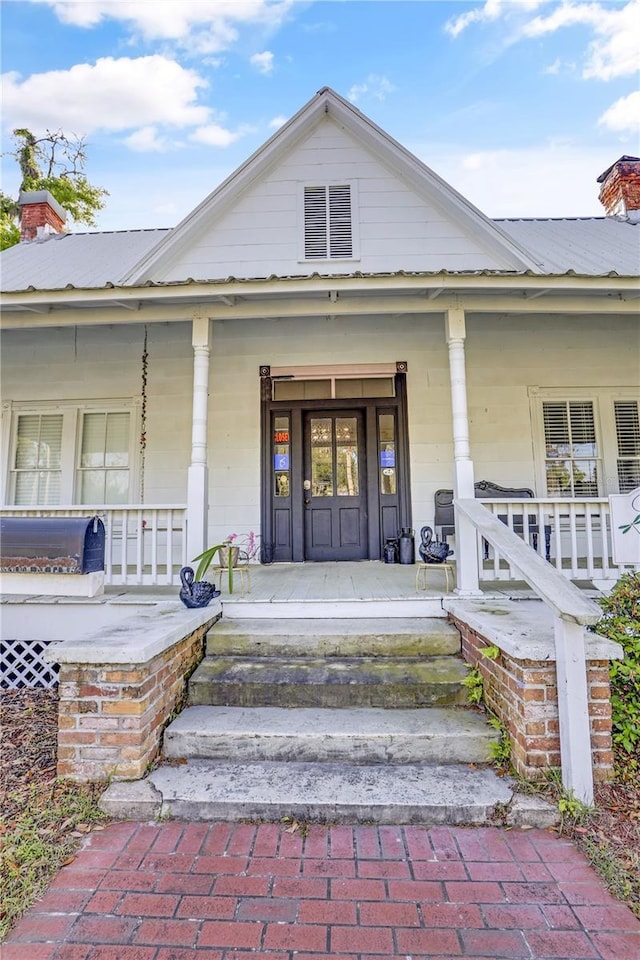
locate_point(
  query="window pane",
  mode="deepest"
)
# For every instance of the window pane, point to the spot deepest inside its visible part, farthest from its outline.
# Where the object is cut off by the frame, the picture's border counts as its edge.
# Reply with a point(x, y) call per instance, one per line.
point(321, 458)
point(116, 486)
point(33, 488)
point(585, 478)
point(627, 428)
point(387, 453)
point(559, 478)
point(281, 456)
point(39, 441)
point(94, 427)
point(570, 448)
point(92, 486)
point(117, 440)
point(628, 475)
point(583, 430)
point(347, 457)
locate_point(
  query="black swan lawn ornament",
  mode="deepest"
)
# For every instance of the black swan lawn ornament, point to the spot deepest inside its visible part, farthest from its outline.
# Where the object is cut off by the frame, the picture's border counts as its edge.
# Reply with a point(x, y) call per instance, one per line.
point(198, 593)
point(433, 551)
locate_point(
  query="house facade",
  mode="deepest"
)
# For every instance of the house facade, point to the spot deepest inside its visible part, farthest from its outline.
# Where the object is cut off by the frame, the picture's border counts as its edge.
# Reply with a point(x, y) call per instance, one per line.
point(329, 339)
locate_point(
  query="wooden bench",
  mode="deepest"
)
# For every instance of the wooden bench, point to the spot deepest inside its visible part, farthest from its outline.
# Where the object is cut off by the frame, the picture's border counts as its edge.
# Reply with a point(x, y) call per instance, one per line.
point(444, 519)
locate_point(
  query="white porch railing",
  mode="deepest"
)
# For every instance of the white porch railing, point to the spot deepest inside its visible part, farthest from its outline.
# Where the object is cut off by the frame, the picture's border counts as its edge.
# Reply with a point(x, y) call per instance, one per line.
point(572, 612)
point(574, 535)
point(144, 545)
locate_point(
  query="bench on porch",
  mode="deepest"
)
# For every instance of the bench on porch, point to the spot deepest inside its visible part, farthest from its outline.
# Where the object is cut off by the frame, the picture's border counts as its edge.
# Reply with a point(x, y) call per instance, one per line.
point(444, 519)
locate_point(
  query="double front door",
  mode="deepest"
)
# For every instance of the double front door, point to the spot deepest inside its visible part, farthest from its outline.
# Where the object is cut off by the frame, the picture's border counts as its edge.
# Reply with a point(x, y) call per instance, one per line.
point(335, 479)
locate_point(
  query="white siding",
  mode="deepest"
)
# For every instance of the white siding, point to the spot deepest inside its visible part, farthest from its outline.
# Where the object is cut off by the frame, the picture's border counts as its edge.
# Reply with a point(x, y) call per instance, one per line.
point(104, 363)
point(261, 234)
point(505, 356)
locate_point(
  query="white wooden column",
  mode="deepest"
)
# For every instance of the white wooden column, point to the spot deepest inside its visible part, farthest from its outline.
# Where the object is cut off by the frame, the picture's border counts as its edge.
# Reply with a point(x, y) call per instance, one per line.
point(198, 476)
point(463, 480)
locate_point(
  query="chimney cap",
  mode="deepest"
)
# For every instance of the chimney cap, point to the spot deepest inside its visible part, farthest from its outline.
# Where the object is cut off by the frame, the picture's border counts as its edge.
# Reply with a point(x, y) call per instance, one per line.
point(28, 197)
point(624, 159)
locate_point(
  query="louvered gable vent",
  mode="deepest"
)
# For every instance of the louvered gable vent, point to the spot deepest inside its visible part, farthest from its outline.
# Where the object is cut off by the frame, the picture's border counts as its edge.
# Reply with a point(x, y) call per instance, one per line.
point(327, 222)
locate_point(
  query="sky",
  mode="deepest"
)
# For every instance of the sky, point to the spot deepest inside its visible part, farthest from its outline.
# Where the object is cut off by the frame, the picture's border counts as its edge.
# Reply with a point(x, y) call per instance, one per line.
point(519, 104)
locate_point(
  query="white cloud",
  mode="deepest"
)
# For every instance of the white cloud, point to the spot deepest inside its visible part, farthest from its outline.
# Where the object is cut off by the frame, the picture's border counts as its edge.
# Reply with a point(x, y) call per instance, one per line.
point(213, 135)
point(614, 52)
point(205, 26)
point(112, 94)
point(375, 86)
point(277, 122)
point(623, 116)
point(263, 62)
point(147, 140)
point(489, 11)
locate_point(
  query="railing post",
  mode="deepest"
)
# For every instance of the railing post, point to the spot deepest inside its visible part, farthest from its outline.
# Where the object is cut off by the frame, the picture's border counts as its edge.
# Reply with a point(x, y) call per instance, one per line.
point(198, 475)
point(463, 479)
point(573, 709)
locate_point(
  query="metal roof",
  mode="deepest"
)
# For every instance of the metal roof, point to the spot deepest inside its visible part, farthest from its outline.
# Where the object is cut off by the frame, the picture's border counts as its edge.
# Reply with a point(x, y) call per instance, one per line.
point(82, 260)
point(599, 246)
point(594, 246)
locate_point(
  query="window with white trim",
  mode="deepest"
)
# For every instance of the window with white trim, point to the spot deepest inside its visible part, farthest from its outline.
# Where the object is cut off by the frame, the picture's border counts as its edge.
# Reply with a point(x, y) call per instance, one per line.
point(328, 222)
point(586, 442)
point(572, 465)
point(69, 454)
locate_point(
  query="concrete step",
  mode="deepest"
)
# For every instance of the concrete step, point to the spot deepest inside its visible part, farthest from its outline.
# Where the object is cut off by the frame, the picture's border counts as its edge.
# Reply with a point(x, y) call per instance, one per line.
point(337, 793)
point(389, 682)
point(355, 736)
point(239, 606)
point(397, 637)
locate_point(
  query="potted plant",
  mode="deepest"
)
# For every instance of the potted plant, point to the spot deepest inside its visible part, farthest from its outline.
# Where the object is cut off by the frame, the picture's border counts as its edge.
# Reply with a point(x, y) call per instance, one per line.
point(233, 551)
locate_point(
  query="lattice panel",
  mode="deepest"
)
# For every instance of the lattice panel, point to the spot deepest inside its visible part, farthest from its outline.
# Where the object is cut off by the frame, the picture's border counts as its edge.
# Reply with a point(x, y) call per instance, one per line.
point(22, 664)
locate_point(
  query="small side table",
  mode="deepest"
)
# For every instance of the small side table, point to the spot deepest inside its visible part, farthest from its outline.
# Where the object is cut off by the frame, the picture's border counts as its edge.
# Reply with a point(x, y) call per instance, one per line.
point(241, 573)
point(421, 574)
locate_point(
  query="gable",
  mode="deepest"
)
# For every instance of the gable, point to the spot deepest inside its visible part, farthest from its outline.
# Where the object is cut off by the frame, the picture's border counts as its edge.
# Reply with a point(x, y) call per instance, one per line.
point(404, 217)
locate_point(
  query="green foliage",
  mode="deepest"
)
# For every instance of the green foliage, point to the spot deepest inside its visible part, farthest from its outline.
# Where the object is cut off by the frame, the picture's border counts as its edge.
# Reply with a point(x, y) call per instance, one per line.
point(207, 558)
point(491, 653)
point(621, 622)
point(54, 162)
point(500, 751)
point(474, 684)
point(571, 809)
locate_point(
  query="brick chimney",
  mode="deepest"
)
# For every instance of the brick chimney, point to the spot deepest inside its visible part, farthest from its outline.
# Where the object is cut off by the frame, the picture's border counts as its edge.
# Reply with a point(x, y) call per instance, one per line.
point(40, 215)
point(620, 190)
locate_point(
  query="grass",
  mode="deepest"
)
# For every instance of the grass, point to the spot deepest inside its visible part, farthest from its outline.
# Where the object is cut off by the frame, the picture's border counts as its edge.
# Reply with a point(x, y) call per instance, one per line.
point(40, 831)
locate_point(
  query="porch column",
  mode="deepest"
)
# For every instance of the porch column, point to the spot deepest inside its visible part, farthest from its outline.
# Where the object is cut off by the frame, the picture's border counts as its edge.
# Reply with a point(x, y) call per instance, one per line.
point(466, 539)
point(198, 476)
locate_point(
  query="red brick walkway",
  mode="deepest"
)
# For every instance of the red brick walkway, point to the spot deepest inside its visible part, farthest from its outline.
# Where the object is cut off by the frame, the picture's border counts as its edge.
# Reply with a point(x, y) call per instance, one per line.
point(198, 891)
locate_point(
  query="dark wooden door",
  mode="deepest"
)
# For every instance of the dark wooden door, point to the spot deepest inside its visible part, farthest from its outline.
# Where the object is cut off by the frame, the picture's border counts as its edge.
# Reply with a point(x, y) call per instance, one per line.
point(335, 486)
